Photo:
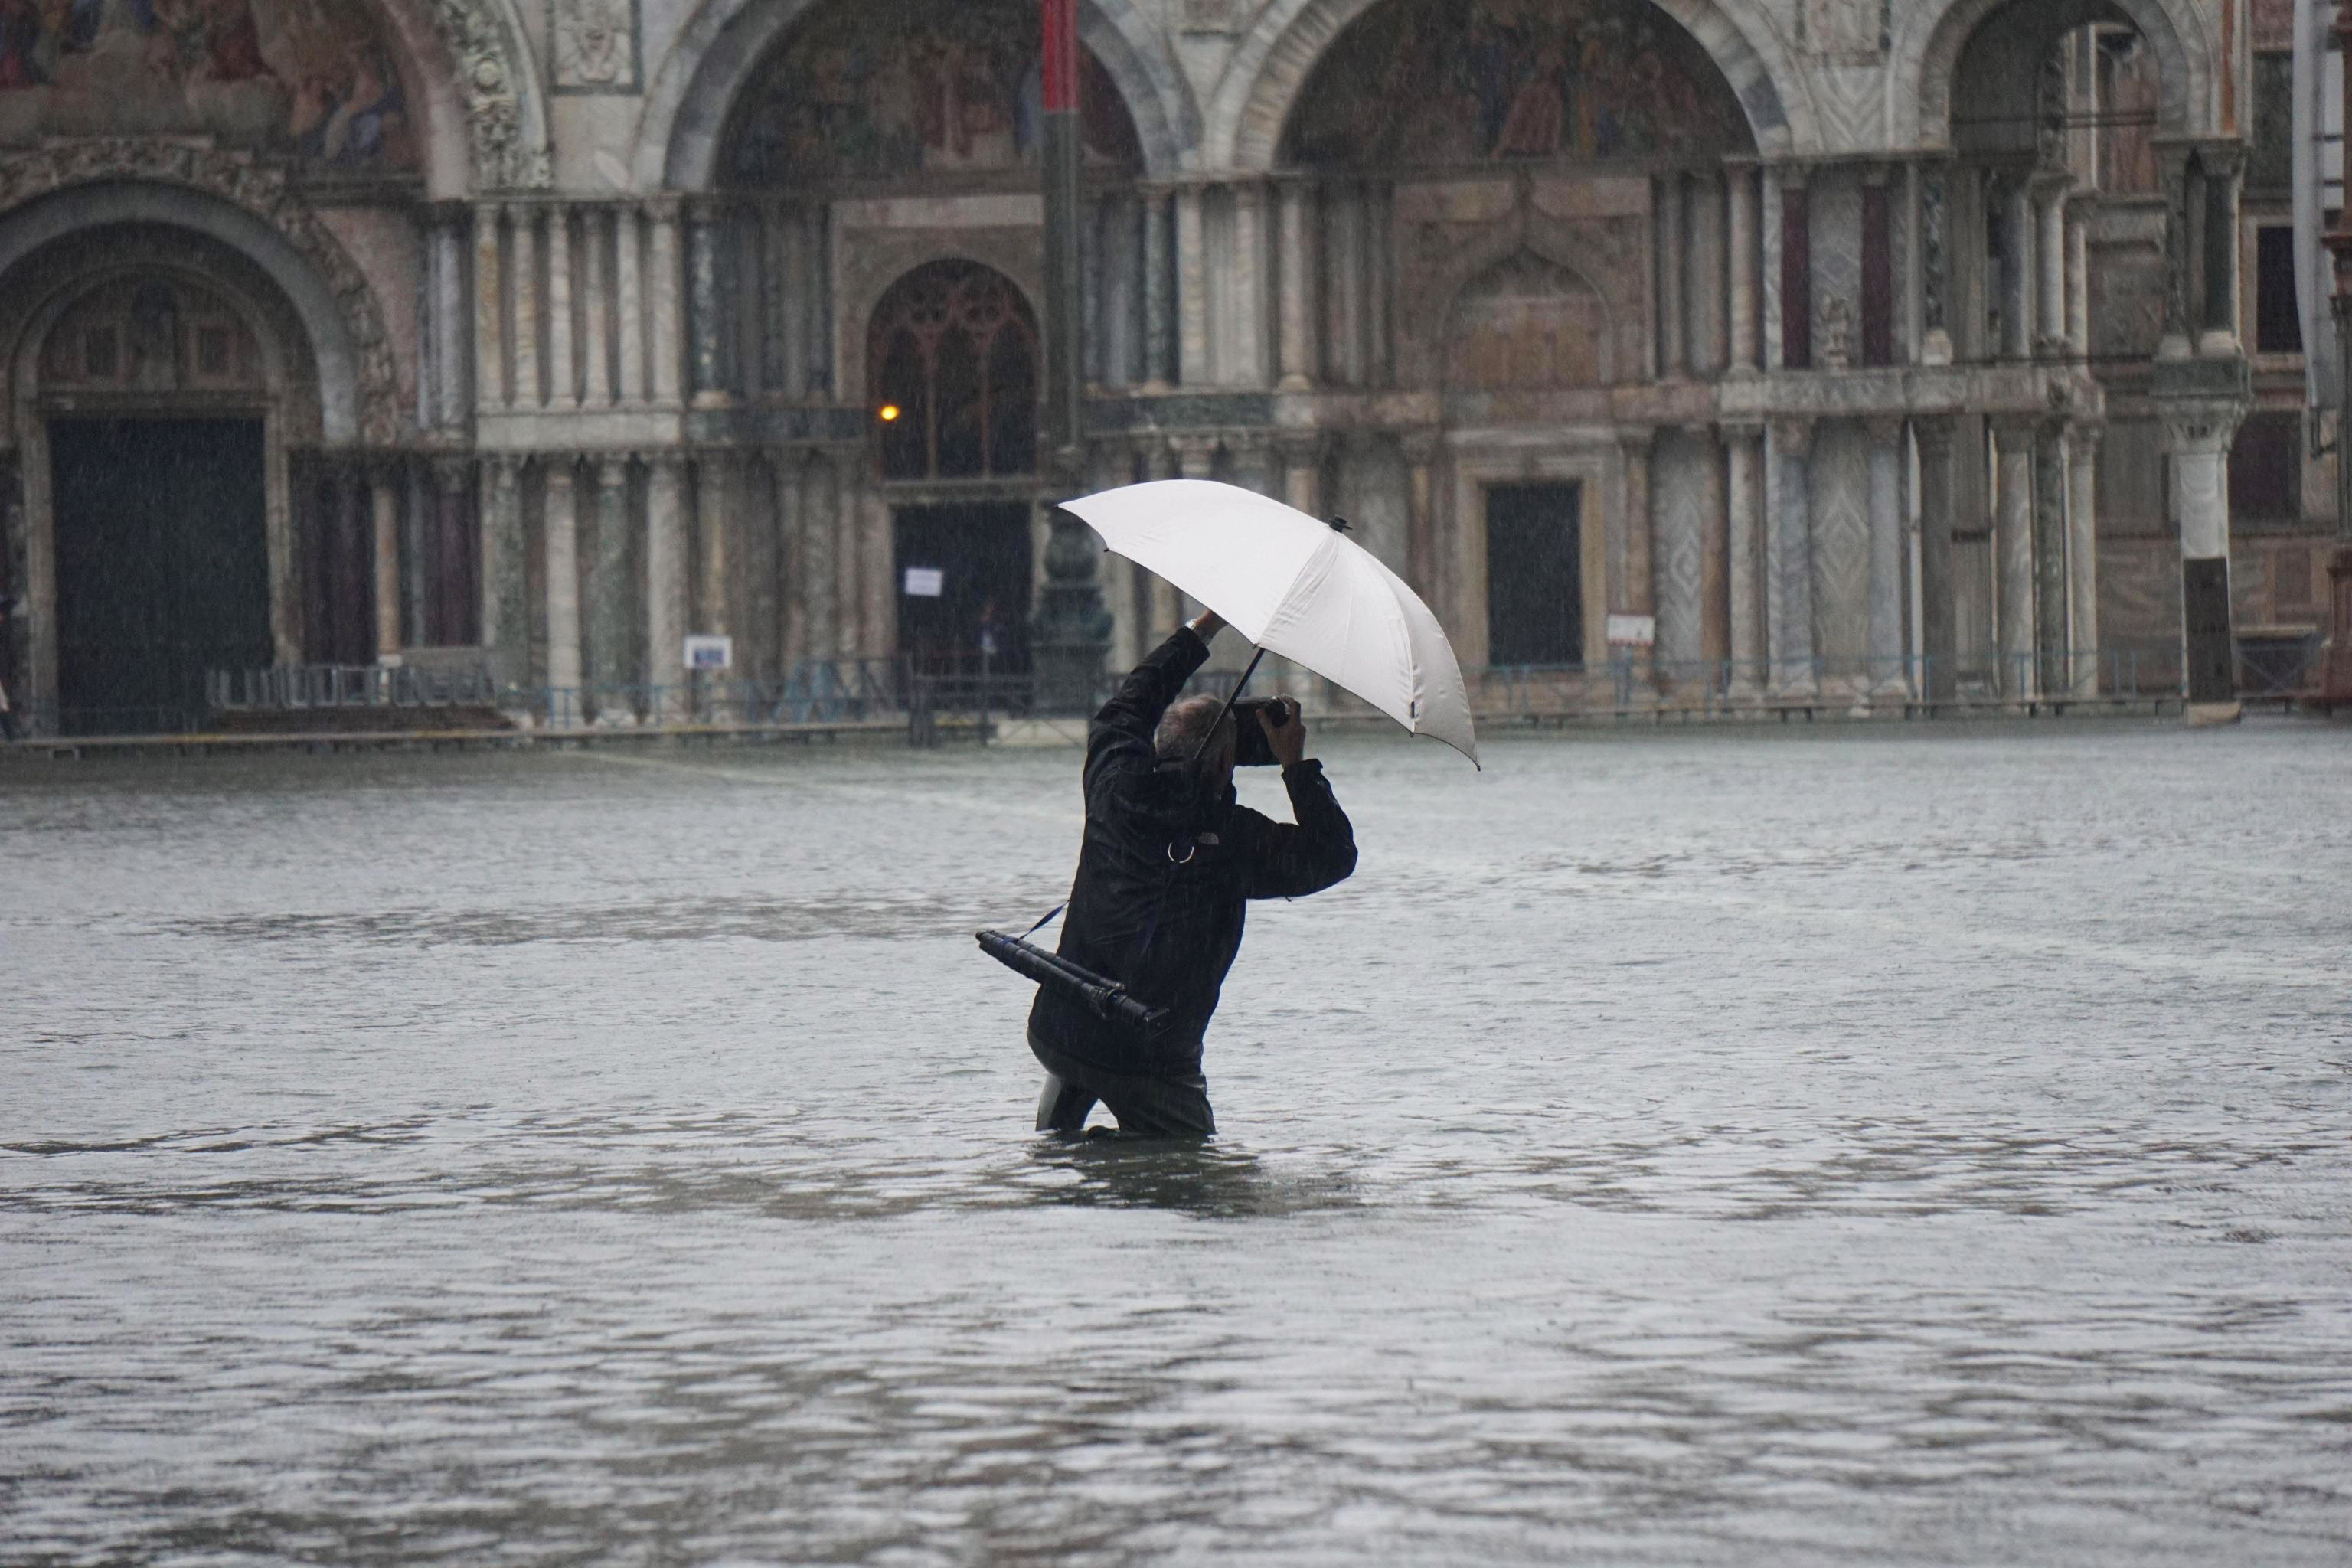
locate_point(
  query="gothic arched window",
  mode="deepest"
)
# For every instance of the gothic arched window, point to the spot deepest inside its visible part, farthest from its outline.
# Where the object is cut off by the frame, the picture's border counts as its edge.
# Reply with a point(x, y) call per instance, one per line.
point(952, 358)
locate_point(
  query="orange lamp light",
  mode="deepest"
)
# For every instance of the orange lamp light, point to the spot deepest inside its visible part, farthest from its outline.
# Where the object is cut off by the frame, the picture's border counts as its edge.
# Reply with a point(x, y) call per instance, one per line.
point(888, 412)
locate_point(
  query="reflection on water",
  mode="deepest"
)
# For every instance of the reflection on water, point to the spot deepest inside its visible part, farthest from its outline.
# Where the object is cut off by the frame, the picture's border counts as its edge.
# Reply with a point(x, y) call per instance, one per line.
point(1856, 1148)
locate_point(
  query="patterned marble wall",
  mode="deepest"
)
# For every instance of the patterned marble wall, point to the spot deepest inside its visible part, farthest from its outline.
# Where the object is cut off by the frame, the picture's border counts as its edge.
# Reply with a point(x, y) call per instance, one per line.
point(1841, 476)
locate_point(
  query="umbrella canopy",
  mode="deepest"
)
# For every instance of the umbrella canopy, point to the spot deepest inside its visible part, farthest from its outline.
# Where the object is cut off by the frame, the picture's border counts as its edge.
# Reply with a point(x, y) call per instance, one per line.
point(1297, 587)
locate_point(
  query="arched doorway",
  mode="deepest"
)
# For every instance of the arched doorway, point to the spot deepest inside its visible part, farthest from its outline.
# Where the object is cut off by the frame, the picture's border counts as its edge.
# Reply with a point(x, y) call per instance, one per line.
point(951, 366)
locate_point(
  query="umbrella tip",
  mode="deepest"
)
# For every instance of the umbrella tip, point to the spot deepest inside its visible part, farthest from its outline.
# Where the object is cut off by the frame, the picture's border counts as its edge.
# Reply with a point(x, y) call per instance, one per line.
point(1339, 525)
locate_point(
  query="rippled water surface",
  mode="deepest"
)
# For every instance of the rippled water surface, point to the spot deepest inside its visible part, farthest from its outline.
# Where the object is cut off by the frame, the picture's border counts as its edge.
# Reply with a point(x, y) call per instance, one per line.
point(1918, 1147)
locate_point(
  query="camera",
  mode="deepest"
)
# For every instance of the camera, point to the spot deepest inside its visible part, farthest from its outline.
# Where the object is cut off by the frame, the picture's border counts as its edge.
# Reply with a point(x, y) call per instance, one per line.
point(1250, 747)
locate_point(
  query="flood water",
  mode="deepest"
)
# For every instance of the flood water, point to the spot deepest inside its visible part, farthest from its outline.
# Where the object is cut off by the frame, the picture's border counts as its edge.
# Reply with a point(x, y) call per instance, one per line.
point(1921, 1146)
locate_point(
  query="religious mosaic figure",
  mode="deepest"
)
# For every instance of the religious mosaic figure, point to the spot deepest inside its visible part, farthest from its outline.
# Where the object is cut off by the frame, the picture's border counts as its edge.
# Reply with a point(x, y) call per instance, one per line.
point(898, 87)
point(1430, 82)
point(307, 78)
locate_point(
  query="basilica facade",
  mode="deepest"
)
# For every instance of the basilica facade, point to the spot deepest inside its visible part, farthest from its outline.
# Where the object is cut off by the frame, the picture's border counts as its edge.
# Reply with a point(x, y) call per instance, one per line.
point(1877, 349)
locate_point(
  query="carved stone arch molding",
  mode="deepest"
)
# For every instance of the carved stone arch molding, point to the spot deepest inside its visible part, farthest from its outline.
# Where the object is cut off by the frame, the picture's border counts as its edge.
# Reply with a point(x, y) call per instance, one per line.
point(1241, 126)
point(57, 190)
point(1931, 38)
point(1608, 255)
point(506, 112)
point(694, 89)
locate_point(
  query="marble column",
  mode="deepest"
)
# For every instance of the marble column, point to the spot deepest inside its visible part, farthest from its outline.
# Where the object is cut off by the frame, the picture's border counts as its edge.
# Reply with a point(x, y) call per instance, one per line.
point(2053, 486)
point(1705, 279)
point(562, 553)
point(820, 506)
point(629, 298)
point(1935, 264)
point(2175, 342)
point(1668, 341)
point(505, 610)
point(530, 365)
point(1743, 505)
point(1297, 198)
point(596, 302)
point(705, 309)
point(848, 558)
point(2050, 220)
point(611, 663)
point(385, 520)
point(1635, 592)
point(1888, 675)
point(878, 609)
point(561, 370)
point(1739, 225)
point(452, 359)
point(2017, 269)
point(1939, 678)
point(2224, 163)
point(1161, 462)
point(1796, 267)
point(1246, 281)
point(454, 554)
point(417, 550)
point(787, 469)
point(1420, 448)
point(2078, 276)
point(491, 389)
point(1191, 289)
point(1196, 459)
point(1788, 558)
point(661, 304)
point(665, 598)
point(2082, 556)
point(2013, 437)
point(2201, 431)
point(1769, 312)
point(1159, 294)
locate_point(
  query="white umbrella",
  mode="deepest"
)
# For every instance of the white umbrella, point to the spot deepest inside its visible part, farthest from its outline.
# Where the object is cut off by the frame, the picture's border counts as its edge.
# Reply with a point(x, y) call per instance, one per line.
point(1297, 587)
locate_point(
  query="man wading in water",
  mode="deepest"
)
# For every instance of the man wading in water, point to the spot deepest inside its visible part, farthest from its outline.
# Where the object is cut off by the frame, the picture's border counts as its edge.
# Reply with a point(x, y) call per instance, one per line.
point(1167, 867)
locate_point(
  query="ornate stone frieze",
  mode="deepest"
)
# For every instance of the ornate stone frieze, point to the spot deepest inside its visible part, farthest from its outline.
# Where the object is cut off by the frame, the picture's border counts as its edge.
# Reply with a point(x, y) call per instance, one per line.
point(488, 58)
point(258, 188)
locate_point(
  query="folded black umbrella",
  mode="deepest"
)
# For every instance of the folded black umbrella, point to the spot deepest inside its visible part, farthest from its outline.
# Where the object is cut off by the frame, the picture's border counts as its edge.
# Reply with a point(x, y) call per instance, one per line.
point(1106, 998)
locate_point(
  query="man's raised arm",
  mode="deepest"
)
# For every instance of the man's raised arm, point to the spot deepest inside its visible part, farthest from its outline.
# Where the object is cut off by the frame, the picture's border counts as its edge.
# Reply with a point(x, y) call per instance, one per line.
point(1128, 719)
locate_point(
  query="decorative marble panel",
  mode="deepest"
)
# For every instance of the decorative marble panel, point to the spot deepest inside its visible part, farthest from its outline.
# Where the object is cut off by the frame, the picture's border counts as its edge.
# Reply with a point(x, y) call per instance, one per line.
point(1679, 494)
point(594, 45)
point(1841, 476)
point(1836, 206)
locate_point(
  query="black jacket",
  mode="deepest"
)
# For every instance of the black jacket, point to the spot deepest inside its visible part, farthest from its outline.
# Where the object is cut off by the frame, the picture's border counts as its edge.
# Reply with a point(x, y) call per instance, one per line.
point(1170, 930)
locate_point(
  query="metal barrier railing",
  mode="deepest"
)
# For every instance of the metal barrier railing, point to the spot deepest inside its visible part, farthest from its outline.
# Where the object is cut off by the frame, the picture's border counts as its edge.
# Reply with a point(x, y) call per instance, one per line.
point(1629, 682)
point(305, 685)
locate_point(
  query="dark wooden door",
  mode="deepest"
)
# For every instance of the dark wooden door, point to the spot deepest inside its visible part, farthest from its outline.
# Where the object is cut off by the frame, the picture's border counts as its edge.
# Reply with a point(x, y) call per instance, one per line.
point(162, 563)
point(1535, 574)
point(980, 552)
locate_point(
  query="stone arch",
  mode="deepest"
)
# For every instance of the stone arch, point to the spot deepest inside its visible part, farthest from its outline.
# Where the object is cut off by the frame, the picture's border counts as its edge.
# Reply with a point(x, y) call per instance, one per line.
point(1016, 255)
point(1928, 44)
point(1244, 122)
point(45, 286)
point(247, 206)
point(695, 89)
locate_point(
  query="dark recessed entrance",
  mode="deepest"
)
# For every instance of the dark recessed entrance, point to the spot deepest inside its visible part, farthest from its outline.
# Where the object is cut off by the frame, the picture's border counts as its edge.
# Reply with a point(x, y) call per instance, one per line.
point(163, 565)
point(980, 551)
point(1535, 574)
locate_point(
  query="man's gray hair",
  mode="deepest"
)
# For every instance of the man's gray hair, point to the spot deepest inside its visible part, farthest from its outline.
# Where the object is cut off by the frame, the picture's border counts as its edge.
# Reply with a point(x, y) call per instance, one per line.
point(1186, 725)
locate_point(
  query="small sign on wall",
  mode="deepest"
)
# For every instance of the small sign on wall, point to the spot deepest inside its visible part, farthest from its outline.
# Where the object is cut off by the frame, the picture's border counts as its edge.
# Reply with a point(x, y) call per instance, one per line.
point(926, 582)
point(1632, 631)
point(710, 652)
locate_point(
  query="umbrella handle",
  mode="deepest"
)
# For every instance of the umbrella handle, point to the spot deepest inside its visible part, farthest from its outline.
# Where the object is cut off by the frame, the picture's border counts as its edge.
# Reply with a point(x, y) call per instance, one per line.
point(1231, 698)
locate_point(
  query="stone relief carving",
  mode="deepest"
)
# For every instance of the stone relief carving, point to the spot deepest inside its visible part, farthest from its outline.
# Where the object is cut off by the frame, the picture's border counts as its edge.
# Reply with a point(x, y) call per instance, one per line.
point(259, 189)
point(593, 44)
point(484, 50)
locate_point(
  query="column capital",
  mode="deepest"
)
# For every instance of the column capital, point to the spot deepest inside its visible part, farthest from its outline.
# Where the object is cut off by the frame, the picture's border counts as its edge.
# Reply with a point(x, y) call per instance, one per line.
point(1793, 435)
point(453, 474)
point(2009, 428)
point(664, 207)
point(1741, 427)
point(2198, 425)
point(613, 469)
point(1884, 430)
point(1635, 440)
point(2225, 160)
point(505, 470)
point(1790, 177)
point(2086, 436)
point(1934, 433)
point(1196, 454)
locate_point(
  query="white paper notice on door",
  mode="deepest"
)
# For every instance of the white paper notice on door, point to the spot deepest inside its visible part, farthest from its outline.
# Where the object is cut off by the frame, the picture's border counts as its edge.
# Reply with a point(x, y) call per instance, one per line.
point(926, 582)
